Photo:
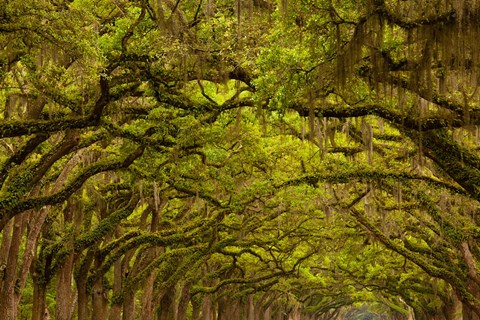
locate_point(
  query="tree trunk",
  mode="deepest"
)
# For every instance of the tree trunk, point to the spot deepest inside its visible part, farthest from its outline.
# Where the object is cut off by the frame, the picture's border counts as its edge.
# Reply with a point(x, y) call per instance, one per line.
point(148, 306)
point(295, 314)
point(81, 281)
point(129, 306)
point(196, 309)
point(207, 308)
point(129, 295)
point(183, 302)
point(99, 301)
point(39, 309)
point(267, 314)
point(250, 306)
point(230, 310)
point(65, 295)
point(36, 219)
point(8, 308)
point(82, 299)
point(147, 298)
point(453, 308)
point(468, 313)
point(116, 309)
point(167, 305)
point(5, 247)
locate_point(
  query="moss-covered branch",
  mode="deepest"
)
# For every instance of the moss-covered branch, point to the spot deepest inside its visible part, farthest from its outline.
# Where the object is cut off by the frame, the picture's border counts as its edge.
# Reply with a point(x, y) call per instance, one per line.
point(370, 175)
point(401, 120)
point(10, 205)
point(458, 162)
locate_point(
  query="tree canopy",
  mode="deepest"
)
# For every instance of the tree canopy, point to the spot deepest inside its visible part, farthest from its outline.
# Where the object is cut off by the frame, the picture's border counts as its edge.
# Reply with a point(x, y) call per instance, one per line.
point(239, 159)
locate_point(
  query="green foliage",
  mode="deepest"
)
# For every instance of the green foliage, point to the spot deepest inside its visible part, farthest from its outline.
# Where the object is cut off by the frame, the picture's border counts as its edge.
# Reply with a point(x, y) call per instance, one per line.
point(320, 155)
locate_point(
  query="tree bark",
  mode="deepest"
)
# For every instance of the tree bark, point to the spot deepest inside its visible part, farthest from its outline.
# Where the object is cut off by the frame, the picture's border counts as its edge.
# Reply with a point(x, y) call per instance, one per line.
point(167, 305)
point(116, 309)
point(207, 308)
point(183, 302)
point(99, 301)
point(231, 310)
point(250, 306)
point(452, 308)
point(147, 298)
point(81, 281)
point(468, 313)
point(39, 309)
point(267, 314)
point(7, 295)
point(65, 295)
point(5, 247)
point(129, 295)
point(36, 219)
point(129, 306)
